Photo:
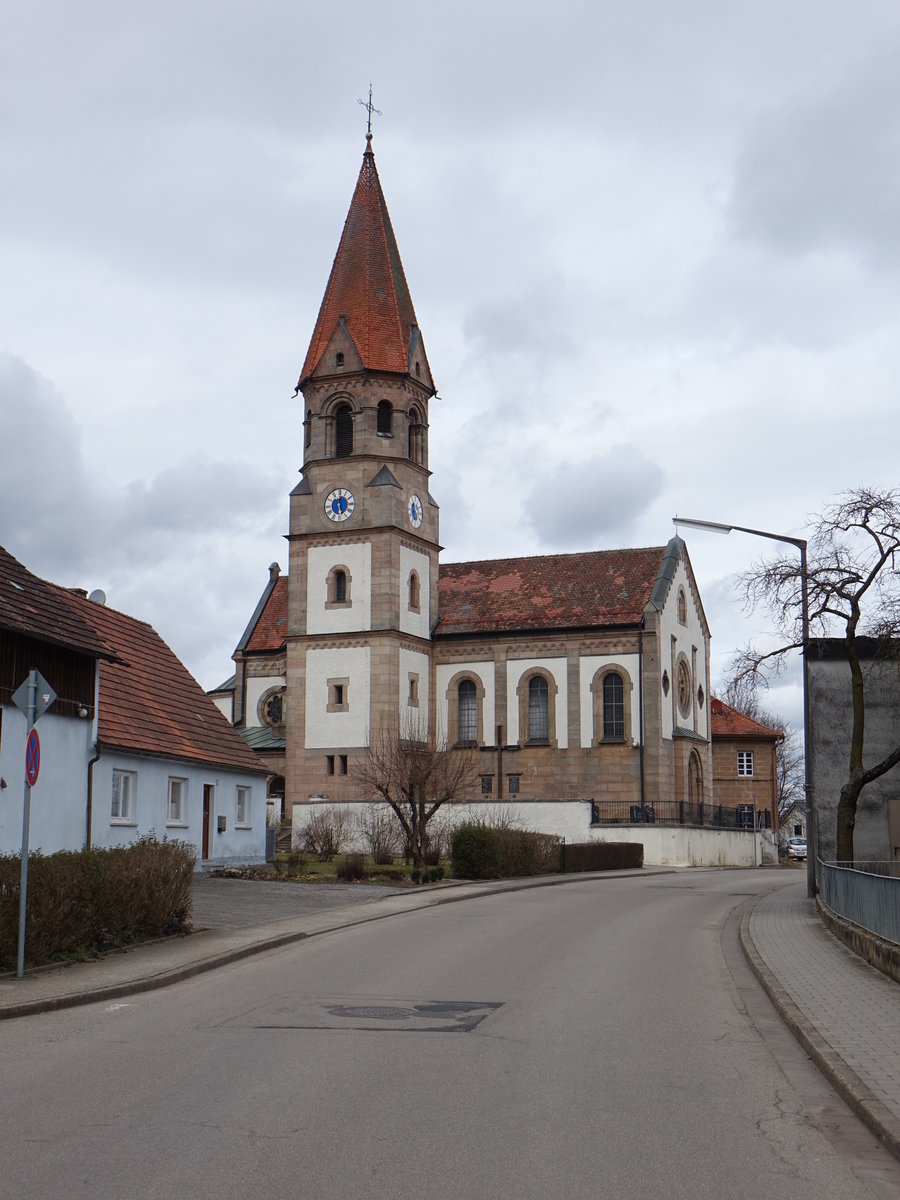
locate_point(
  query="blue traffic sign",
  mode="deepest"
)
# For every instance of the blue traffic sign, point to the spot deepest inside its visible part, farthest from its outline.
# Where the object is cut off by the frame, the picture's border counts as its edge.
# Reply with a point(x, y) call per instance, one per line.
point(32, 758)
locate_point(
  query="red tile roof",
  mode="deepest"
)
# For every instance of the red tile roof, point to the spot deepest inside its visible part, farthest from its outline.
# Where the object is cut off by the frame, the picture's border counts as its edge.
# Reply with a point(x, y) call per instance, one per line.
point(271, 628)
point(33, 607)
point(149, 702)
point(367, 287)
point(552, 591)
point(728, 722)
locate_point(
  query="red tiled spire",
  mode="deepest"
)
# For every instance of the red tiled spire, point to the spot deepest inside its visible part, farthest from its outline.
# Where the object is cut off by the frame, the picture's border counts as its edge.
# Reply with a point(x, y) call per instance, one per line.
point(367, 287)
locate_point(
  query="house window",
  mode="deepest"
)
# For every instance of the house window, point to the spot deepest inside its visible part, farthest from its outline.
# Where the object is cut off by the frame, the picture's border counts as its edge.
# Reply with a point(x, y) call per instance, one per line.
point(384, 418)
point(512, 785)
point(271, 707)
point(242, 807)
point(467, 713)
point(329, 764)
point(613, 707)
point(487, 785)
point(340, 587)
point(343, 431)
point(745, 762)
point(413, 700)
point(339, 359)
point(683, 688)
point(538, 710)
point(338, 695)
point(176, 803)
point(342, 764)
point(414, 591)
point(122, 808)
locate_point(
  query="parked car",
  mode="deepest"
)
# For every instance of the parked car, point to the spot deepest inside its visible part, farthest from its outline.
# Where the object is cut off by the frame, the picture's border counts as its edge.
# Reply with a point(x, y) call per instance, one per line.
point(794, 847)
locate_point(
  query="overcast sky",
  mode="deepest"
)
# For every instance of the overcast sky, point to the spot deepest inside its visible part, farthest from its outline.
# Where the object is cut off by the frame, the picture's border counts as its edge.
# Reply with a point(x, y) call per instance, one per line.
point(654, 249)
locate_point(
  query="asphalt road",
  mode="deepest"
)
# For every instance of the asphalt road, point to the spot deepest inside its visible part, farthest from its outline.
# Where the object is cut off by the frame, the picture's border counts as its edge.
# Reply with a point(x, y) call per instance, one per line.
point(598, 1039)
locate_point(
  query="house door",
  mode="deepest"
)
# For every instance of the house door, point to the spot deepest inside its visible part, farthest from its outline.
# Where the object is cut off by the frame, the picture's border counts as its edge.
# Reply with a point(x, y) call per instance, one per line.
point(209, 791)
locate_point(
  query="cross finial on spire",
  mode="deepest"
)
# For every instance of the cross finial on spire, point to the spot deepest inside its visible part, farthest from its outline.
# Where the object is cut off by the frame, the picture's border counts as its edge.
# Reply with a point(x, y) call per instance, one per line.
point(370, 107)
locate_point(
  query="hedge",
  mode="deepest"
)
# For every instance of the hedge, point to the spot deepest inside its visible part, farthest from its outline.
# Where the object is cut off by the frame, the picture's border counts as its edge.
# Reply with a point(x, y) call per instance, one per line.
point(482, 852)
point(83, 901)
point(601, 856)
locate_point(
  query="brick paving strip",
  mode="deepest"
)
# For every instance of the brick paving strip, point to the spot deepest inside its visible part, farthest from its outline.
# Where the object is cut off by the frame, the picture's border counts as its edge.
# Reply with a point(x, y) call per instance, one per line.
point(845, 1013)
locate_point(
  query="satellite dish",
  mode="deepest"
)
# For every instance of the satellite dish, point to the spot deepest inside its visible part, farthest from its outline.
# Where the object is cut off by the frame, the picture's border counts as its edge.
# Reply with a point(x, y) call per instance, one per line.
point(98, 596)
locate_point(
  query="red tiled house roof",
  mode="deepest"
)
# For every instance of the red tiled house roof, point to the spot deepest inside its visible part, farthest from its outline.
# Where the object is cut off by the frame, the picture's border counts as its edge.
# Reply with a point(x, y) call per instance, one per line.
point(270, 630)
point(149, 702)
point(553, 591)
point(367, 288)
point(34, 608)
point(728, 722)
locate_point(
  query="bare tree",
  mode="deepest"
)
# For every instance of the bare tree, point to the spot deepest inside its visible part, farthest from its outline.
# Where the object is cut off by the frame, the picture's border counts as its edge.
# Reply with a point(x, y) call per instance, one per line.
point(415, 774)
point(854, 589)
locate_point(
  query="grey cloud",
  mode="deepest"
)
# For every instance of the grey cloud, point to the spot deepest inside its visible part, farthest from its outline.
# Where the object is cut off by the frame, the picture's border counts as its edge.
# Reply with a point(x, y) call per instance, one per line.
point(535, 322)
point(595, 504)
point(825, 173)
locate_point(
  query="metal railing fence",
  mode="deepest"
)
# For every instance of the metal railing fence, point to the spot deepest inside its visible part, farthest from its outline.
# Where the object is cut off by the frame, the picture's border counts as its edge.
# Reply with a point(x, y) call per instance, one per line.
point(679, 812)
point(868, 897)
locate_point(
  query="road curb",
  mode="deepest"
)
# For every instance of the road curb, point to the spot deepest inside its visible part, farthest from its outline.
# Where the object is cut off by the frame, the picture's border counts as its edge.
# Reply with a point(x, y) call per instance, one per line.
point(429, 899)
point(854, 1092)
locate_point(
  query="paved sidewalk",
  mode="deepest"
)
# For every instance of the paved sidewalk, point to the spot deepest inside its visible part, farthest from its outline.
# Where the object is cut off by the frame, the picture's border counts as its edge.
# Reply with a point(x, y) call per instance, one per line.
point(845, 1013)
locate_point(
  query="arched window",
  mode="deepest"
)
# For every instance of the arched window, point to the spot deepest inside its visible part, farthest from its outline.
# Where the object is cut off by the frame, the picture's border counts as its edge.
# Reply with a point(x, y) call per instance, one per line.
point(613, 706)
point(384, 418)
point(682, 607)
point(538, 710)
point(308, 431)
point(343, 431)
point(416, 436)
point(414, 591)
point(337, 588)
point(467, 713)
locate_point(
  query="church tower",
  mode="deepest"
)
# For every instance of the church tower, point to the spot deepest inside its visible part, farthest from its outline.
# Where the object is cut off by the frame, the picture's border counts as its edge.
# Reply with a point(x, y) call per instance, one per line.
point(362, 592)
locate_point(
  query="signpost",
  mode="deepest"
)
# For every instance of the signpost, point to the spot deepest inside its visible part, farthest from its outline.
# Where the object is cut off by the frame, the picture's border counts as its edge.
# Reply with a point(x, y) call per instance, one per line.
point(33, 698)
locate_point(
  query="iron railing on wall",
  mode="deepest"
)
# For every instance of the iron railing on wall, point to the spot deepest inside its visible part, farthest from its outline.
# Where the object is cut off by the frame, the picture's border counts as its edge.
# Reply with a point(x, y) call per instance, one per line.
point(679, 812)
point(868, 894)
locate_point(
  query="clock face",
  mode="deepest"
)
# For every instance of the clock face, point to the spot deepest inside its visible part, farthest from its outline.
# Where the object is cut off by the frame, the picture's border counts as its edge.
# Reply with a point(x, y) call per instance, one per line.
point(415, 511)
point(339, 505)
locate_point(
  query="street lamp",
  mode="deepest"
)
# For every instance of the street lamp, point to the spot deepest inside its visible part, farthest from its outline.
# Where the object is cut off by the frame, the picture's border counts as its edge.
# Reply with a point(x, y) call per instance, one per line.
point(800, 543)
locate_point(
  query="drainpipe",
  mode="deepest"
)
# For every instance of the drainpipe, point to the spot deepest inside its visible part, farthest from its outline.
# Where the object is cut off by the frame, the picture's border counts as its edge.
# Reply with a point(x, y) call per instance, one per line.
point(641, 708)
point(90, 795)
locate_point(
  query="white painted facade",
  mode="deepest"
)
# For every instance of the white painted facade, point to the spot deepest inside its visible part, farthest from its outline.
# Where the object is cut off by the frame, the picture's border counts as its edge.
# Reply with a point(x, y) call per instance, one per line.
point(356, 559)
point(256, 687)
point(686, 639)
point(149, 793)
point(447, 680)
point(414, 717)
point(629, 667)
point(417, 623)
point(350, 727)
point(557, 668)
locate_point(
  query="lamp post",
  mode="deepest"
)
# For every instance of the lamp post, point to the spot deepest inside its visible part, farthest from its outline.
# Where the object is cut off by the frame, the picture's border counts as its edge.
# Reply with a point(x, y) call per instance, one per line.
point(800, 543)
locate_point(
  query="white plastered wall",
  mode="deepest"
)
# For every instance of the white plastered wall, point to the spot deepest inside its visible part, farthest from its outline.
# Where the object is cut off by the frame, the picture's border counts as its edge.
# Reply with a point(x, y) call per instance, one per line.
point(687, 638)
point(515, 669)
point(484, 671)
point(356, 557)
point(418, 623)
point(336, 729)
point(413, 718)
point(629, 666)
point(257, 686)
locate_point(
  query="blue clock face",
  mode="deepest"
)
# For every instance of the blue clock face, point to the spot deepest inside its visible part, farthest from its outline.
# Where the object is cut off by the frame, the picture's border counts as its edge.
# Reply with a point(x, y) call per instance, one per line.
point(339, 505)
point(415, 511)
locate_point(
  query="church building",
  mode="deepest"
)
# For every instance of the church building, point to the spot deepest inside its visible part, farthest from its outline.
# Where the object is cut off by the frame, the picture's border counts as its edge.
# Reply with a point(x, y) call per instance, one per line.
point(571, 676)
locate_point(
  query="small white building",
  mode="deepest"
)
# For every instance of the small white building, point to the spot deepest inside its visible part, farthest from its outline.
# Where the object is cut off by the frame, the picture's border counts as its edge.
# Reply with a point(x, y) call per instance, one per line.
point(131, 746)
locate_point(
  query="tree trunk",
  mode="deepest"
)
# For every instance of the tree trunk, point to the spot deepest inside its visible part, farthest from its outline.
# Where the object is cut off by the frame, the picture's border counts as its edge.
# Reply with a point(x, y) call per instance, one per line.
point(846, 818)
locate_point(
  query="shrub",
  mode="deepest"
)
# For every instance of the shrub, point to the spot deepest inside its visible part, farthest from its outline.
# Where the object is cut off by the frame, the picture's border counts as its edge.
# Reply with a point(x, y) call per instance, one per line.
point(415, 875)
point(82, 901)
point(482, 852)
point(325, 832)
point(602, 856)
point(380, 832)
point(352, 868)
